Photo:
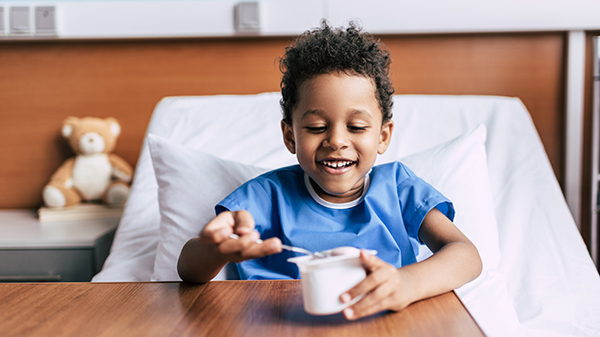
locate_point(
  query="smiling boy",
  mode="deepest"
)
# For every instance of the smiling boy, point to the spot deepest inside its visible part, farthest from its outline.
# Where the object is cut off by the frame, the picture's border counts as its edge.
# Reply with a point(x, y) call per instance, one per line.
point(336, 102)
point(336, 132)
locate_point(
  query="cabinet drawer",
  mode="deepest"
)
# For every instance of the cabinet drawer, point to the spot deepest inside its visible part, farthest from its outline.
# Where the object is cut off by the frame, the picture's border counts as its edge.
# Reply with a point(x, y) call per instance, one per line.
point(45, 265)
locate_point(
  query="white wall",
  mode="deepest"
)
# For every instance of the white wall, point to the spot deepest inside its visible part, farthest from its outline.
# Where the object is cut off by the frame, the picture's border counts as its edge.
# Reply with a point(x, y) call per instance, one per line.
point(146, 19)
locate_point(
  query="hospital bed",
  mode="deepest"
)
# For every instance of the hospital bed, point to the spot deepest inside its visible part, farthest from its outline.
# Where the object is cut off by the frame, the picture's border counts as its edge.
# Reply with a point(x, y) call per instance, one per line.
point(483, 152)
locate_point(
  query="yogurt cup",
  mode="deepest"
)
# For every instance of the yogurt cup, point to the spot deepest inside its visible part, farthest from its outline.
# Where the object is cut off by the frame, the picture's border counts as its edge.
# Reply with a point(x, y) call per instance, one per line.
point(324, 280)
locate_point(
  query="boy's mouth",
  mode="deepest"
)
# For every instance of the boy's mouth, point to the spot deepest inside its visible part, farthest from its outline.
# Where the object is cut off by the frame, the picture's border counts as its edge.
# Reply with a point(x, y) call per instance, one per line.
point(337, 164)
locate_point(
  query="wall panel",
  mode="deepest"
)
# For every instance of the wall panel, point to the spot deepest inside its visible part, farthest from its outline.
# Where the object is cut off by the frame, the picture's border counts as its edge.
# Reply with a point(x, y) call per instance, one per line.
point(528, 66)
point(42, 82)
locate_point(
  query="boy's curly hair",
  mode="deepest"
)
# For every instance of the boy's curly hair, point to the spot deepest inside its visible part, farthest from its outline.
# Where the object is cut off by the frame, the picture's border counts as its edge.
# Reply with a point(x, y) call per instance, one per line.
point(325, 50)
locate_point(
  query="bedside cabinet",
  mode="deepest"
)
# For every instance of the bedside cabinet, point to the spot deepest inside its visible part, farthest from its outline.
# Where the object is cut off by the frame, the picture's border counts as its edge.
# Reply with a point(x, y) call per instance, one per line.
point(66, 251)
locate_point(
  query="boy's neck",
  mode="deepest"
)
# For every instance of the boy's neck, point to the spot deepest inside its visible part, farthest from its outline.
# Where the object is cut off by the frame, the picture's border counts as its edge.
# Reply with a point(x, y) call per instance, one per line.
point(354, 194)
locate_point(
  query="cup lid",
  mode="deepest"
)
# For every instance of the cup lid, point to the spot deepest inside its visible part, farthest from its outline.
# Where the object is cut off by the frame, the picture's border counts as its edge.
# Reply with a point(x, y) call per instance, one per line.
point(348, 253)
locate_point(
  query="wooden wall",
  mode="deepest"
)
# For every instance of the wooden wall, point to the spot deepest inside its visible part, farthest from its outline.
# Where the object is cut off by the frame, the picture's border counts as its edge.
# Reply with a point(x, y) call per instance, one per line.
point(42, 82)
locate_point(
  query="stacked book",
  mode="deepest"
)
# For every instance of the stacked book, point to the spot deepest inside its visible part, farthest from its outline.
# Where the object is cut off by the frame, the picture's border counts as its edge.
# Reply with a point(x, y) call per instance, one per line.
point(83, 211)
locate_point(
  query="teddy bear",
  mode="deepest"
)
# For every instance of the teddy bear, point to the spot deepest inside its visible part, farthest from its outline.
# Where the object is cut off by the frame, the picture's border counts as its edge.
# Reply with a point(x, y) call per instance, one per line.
point(94, 173)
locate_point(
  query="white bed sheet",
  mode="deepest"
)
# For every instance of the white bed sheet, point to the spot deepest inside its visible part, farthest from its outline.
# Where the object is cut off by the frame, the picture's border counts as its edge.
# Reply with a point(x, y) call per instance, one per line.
point(549, 276)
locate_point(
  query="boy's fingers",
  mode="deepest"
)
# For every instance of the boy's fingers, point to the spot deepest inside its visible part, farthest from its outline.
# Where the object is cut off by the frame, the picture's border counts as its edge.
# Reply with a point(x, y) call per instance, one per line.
point(218, 229)
point(241, 249)
point(243, 222)
point(226, 223)
point(267, 247)
point(375, 276)
point(371, 262)
point(230, 246)
point(375, 301)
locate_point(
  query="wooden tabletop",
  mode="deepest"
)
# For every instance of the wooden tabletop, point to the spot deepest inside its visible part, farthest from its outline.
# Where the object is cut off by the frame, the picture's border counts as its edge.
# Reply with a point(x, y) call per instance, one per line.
point(220, 308)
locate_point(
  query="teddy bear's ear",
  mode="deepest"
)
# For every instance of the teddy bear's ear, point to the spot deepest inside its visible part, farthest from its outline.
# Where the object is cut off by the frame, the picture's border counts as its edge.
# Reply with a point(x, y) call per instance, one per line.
point(115, 127)
point(68, 124)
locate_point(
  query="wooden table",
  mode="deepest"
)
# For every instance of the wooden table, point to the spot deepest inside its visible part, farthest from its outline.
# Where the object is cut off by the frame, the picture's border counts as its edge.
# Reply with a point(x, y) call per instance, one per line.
point(225, 308)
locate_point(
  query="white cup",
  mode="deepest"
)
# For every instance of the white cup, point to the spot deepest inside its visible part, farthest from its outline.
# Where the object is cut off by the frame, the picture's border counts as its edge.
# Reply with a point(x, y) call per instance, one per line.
point(324, 280)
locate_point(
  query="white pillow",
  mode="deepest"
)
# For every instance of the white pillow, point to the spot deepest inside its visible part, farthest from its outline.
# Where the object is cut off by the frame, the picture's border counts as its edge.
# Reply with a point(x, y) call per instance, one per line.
point(190, 184)
point(458, 169)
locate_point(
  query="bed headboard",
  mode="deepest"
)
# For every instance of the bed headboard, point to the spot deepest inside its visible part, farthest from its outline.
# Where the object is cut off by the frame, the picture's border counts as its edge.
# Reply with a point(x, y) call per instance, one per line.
point(42, 82)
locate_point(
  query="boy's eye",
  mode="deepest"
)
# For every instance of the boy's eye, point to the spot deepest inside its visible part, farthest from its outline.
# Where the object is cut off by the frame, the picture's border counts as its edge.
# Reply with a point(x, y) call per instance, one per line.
point(315, 129)
point(357, 128)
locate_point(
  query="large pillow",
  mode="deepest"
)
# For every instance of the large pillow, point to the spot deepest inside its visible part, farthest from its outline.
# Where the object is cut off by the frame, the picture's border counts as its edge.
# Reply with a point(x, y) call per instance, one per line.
point(458, 169)
point(190, 184)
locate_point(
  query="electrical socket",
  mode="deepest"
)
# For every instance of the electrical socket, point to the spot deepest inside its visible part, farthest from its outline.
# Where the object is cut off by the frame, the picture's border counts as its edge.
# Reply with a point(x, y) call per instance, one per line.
point(45, 20)
point(2, 29)
point(19, 20)
point(247, 17)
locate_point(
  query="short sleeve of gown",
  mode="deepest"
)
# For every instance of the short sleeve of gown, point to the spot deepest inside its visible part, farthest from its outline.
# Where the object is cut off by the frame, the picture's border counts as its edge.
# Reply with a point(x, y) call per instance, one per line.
point(417, 198)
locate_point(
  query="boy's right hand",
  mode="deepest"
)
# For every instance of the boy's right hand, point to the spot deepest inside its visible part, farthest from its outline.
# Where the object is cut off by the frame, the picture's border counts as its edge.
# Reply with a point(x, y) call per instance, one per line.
point(217, 231)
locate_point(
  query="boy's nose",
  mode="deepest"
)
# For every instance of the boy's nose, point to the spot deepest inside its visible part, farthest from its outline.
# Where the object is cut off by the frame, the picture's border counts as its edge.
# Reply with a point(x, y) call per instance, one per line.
point(335, 140)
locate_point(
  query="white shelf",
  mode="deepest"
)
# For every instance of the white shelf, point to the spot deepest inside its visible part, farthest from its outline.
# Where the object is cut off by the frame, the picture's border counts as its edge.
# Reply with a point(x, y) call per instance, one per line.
point(22, 229)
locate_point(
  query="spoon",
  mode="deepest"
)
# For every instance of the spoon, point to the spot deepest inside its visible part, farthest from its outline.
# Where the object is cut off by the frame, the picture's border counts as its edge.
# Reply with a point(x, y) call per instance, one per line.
point(286, 247)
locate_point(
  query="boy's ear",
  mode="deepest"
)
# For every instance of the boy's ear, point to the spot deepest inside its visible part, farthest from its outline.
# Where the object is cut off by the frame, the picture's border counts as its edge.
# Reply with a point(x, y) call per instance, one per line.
point(385, 136)
point(288, 137)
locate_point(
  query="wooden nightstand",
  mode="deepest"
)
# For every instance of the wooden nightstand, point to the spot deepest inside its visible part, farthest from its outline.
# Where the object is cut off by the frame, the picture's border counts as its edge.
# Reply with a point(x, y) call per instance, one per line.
point(67, 251)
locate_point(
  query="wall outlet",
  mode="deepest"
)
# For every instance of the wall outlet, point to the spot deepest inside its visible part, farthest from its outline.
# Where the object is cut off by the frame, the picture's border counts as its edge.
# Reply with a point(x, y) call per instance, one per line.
point(247, 17)
point(45, 20)
point(2, 29)
point(19, 20)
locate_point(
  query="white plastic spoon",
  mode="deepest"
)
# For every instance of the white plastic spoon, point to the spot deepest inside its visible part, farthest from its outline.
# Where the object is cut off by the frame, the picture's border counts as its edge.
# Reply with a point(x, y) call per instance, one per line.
point(286, 247)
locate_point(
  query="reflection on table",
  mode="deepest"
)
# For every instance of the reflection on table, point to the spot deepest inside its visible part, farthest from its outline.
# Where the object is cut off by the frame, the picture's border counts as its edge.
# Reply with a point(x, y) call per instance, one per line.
point(225, 308)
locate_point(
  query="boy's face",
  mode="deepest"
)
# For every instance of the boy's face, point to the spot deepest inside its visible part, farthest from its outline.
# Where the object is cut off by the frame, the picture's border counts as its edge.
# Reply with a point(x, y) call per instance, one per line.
point(336, 133)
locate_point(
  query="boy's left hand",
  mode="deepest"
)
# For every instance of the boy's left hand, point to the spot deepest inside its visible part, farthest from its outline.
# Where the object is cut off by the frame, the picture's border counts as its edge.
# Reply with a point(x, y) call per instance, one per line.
point(385, 288)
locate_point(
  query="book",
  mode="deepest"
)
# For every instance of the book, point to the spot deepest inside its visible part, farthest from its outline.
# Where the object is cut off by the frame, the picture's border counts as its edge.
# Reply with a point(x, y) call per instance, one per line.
point(83, 211)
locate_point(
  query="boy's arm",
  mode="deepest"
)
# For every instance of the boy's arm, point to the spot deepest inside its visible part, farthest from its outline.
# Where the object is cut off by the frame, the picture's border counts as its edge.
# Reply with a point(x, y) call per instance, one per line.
point(204, 256)
point(454, 263)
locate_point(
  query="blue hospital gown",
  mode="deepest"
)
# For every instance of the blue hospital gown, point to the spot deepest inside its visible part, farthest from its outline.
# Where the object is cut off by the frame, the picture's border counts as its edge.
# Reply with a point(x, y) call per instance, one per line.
point(386, 217)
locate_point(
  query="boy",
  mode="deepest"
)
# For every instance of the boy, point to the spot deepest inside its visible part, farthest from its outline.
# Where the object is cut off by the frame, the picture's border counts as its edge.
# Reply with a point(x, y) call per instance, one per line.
point(336, 101)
